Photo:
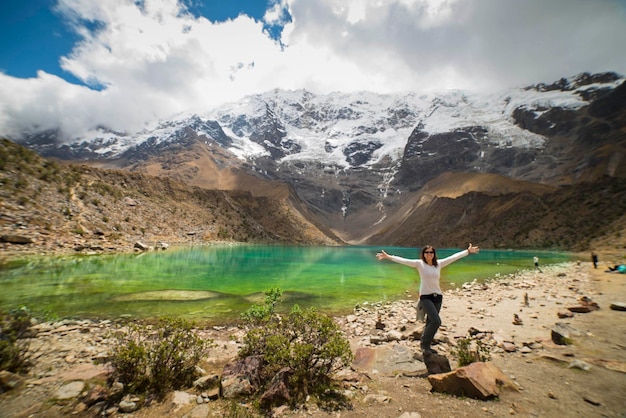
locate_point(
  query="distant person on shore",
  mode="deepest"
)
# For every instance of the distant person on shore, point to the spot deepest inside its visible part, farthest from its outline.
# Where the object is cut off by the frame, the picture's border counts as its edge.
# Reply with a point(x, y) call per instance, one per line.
point(594, 260)
point(536, 263)
point(431, 297)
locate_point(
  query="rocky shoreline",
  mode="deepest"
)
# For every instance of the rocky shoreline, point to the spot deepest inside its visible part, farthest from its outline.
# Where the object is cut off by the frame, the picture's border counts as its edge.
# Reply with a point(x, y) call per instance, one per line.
point(514, 315)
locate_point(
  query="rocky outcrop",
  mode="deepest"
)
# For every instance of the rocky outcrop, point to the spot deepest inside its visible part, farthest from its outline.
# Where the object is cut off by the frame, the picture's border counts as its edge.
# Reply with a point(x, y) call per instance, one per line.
point(482, 381)
point(427, 156)
point(241, 378)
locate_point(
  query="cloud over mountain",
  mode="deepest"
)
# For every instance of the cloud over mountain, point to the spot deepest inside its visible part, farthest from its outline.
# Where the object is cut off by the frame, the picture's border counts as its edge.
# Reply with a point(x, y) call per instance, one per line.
point(144, 61)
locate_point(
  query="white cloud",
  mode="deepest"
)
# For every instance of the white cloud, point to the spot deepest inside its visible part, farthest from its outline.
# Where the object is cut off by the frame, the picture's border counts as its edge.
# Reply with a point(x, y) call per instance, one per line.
point(154, 59)
point(276, 14)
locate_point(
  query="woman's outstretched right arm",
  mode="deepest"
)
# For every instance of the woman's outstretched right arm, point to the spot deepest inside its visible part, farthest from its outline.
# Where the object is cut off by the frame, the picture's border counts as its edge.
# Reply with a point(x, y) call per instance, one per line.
point(382, 255)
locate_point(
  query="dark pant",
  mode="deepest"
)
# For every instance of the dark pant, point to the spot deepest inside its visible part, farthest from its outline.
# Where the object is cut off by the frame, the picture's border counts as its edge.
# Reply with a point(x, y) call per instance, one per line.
point(432, 307)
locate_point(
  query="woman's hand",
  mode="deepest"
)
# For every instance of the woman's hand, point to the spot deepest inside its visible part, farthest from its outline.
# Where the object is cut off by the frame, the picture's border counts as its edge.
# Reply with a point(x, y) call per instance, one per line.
point(472, 249)
point(382, 255)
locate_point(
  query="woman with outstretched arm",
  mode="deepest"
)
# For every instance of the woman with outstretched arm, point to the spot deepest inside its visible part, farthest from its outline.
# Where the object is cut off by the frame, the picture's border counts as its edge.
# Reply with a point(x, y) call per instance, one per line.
point(431, 298)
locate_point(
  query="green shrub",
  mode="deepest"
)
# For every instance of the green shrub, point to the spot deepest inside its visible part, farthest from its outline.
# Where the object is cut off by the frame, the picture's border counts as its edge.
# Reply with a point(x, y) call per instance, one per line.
point(308, 343)
point(14, 348)
point(155, 360)
point(258, 313)
point(470, 350)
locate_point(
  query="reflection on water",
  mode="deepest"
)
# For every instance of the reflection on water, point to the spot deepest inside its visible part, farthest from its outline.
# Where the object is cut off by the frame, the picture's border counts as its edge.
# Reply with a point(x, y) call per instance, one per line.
point(217, 283)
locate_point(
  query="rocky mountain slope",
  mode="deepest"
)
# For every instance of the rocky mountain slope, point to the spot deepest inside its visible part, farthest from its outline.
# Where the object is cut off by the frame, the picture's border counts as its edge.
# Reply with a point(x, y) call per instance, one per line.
point(51, 207)
point(362, 164)
point(571, 218)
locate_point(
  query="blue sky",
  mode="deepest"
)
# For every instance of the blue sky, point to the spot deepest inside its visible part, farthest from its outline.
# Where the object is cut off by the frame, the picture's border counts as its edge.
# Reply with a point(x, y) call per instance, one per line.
point(33, 36)
point(76, 64)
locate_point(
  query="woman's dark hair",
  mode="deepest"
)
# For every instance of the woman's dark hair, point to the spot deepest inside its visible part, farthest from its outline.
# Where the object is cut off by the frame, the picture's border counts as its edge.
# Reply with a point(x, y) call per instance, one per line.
point(431, 248)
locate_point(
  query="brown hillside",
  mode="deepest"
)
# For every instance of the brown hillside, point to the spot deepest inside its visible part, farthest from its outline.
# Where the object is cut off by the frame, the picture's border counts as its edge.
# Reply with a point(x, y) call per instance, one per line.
point(199, 162)
point(453, 185)
point(209, 167)
point(67, 208)
point(448, 185)
point(573, 218)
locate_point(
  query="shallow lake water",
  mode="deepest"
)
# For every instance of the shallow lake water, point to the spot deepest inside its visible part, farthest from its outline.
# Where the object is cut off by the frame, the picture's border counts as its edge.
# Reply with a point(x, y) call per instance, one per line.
point(216, 283)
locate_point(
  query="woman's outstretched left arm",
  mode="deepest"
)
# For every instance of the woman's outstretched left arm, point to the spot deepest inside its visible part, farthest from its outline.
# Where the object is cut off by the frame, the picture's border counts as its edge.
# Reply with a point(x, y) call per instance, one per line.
point(471, 249)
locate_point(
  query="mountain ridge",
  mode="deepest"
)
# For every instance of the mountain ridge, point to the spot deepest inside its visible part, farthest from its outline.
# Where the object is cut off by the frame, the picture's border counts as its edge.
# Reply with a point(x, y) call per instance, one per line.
point(354, 160)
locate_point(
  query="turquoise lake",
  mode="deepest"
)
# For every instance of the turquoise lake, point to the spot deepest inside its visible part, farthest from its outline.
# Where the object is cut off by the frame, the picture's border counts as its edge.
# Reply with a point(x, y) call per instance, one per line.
point(216, 283)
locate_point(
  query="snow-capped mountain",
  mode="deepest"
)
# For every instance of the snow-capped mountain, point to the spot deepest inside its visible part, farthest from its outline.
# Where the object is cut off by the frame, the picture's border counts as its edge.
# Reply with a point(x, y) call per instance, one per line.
point(346, 152)
point(298, 125)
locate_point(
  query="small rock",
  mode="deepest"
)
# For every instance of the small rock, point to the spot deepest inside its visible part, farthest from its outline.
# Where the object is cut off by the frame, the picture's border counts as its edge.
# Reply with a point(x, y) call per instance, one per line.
point(579, 364)
point(376, 399)
point(410, 415)
point(16, 239)
point(561, 333)
point(128, 406)
point(592, 401)
point(9, 381)
point(141, 246)
point(618, 306)
point(393, 335)
point(70, 390)
point(509, 347)
point(206, 382)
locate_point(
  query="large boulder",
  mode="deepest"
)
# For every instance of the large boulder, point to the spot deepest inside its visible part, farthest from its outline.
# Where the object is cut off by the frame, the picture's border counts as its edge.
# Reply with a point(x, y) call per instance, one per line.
point(242, 378)
point(390, 361)
point(277, 393)
point(480, 380)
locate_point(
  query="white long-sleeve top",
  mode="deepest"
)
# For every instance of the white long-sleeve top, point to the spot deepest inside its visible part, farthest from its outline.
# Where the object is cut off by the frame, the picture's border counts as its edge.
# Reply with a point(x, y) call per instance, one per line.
point(429, 275)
